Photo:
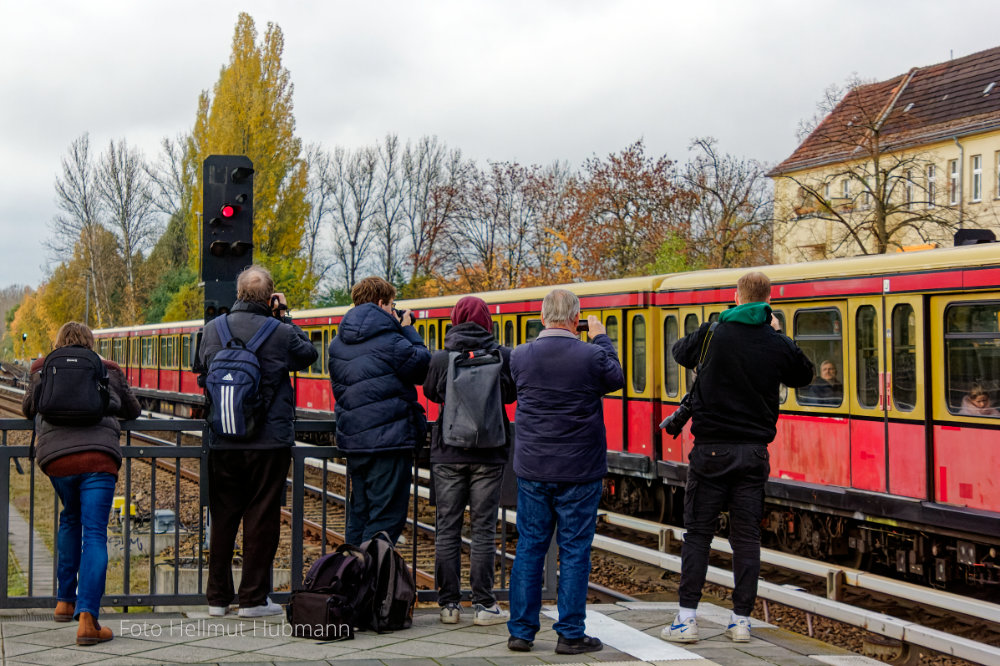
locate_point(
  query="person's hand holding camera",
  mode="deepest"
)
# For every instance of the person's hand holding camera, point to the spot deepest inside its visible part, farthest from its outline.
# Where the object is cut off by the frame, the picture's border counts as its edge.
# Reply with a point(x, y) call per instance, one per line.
point(279, 306)
point(405, 317)
point(595, 327)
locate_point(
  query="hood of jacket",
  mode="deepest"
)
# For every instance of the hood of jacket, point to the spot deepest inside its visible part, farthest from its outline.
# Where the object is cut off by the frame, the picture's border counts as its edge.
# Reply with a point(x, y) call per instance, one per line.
point(364, 322)
point(753, 314)
point(469, 336)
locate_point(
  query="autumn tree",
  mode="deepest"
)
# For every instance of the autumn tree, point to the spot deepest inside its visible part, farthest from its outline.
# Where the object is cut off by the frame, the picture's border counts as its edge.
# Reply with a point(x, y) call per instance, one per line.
point(728, 208)
point(623, 209)
point(127, 197)
point(250, 113)
point(353, 188)
point(875, 193)
point(552, 250)
point(434, 181)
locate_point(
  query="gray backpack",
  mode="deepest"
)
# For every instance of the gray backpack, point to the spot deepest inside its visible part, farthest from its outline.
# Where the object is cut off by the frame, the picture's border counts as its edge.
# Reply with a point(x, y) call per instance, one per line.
point(473, 416)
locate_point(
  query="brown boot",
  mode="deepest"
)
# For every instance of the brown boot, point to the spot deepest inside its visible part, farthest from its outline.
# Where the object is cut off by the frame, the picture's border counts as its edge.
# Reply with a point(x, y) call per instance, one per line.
point(64, 611)
point(91, 632)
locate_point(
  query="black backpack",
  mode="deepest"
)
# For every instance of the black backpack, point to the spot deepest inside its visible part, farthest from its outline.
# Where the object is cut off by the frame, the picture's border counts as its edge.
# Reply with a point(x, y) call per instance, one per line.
point(473, 416)
point(335, 591)
point(74, 387)
point(393, 592)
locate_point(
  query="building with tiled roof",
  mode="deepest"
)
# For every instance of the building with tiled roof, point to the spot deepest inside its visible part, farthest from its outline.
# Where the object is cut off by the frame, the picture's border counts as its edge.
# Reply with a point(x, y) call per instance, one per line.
point(897, 164)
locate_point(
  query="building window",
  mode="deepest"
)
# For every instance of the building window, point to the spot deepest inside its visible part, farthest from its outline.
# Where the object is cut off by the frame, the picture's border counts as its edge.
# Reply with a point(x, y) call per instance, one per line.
point(931, 185)
point(908, 191)
point(977, 177)
point(866, 197)
point(845, 189)
point(953, 182)
point(826, 191)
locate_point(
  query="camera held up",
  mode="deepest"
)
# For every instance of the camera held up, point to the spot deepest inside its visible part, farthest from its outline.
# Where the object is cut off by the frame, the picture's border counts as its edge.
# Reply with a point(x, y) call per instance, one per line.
point(399, 314)
point(674, 424)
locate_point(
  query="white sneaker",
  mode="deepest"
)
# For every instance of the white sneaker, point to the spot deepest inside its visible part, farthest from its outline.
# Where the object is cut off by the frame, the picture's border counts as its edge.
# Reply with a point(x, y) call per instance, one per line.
point(681, 632)
point(218, 611)
point(268, 608)
point(487, 615)
point(450, 613)
point(739, 631)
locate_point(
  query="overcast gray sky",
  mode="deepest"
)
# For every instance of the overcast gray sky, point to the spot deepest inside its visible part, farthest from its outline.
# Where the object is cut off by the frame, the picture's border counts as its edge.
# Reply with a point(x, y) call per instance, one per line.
point(534, 81)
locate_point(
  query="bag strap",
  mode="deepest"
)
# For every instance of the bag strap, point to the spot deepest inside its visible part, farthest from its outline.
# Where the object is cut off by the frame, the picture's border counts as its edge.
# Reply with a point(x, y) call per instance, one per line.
point(704, 351)
point(262, 334)
point(225, 336)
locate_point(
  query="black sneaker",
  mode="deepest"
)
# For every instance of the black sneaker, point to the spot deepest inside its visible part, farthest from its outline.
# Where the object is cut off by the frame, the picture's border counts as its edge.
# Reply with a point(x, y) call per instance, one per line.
point(578, 645)
point(519, 644)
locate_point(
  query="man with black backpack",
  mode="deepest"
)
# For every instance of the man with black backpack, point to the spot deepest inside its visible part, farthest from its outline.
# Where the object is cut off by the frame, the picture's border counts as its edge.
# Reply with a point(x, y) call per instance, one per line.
point(244, 363)
point(471, 377)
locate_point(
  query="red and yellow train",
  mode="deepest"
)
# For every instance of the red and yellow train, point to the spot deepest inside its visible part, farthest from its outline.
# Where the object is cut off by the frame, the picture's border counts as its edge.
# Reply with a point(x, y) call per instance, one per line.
point(899, 469)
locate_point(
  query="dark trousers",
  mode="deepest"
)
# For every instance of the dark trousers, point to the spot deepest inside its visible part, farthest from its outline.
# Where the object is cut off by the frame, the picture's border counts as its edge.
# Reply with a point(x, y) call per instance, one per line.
point(380, 494)
point(478, 486)
point(247, 486)
point(721, 476)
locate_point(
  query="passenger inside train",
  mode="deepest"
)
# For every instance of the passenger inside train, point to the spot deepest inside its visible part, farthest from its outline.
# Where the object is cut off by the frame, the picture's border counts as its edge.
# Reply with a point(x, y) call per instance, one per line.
point(978, 403)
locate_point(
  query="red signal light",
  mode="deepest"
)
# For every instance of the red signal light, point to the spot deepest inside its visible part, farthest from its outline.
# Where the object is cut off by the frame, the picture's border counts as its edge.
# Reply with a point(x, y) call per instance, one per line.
point(228, 211)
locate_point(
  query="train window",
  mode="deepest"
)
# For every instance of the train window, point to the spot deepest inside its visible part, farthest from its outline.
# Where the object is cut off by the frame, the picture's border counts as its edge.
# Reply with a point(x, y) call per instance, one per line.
point(420, 331)
point(186, 352)
point(639, 353)
point(148, 351)
point(532, 329)
point(670, 366)
point(714, 317)
point(866, 356)
point(782, 389)
point(972, 355)
point(316, 338)
point(447, 328)
point(432, 342)
point(818, 334)
point(611, 324)
point(508, 334)
point(496, 332)
point(904, 357)
point(165, 350)
point(690, 326)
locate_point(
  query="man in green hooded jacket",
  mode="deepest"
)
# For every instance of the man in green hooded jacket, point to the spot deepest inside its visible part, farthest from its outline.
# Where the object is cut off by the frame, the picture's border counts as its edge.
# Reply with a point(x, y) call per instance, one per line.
point(735, 414)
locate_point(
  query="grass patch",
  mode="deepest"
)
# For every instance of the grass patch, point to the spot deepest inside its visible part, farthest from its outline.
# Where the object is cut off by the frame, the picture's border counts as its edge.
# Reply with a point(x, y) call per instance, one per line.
point(17, 584)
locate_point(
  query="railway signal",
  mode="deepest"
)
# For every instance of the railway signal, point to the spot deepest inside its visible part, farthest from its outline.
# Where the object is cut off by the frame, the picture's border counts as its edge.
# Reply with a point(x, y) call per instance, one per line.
point(227, 228)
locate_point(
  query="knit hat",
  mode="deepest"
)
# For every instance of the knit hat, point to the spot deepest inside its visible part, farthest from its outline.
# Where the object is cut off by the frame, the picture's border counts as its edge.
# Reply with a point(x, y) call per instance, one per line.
point(471, 308)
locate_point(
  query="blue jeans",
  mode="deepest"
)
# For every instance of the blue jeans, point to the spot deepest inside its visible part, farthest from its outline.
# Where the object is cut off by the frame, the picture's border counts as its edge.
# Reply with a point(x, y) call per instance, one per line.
point(478, 486)
point(380, 494)
point(83, 538)
point(570, 509)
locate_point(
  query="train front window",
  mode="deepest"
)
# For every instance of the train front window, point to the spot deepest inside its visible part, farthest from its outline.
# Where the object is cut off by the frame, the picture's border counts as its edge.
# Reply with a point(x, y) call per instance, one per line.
point(670, 378)
point(904, 357)
point(866, 356)
point(972, 357)
point(639, 353)
point(819, 334)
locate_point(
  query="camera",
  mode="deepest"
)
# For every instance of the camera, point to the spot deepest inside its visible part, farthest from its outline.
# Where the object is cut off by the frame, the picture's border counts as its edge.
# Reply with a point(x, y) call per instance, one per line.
point(399, 314)
point(674, 424)
point(583, 326)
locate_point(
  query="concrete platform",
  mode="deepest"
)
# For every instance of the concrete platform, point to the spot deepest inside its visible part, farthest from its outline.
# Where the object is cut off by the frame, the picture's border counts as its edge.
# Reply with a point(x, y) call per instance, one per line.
point(630, 632)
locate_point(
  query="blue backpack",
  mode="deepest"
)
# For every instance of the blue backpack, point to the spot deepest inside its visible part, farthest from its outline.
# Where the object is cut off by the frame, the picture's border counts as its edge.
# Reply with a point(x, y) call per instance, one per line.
point(235, 406)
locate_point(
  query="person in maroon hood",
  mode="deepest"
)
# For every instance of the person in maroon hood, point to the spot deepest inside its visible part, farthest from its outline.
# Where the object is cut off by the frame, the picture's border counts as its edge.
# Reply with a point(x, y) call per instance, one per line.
point(467, 475)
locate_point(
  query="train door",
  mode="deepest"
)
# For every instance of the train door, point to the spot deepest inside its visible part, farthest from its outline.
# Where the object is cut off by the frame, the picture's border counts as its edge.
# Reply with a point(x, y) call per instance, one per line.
point(670, 387)
point(616, 403)
point(906, 467)
point(865, 374)
point(641, 388)
point(508, 330)
point(689, 319)
point(965, 376)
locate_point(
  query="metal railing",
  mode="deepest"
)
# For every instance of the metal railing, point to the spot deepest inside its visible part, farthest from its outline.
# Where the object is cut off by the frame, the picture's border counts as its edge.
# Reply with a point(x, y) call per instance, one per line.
point(146, 578)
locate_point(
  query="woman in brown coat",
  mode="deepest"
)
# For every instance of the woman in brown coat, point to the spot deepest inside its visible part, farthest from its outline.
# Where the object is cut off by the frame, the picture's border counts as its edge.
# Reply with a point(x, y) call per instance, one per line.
point(82, 463)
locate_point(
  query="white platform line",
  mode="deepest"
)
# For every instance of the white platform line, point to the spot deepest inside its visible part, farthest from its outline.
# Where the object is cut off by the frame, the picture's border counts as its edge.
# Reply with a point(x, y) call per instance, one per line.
point(629, 640)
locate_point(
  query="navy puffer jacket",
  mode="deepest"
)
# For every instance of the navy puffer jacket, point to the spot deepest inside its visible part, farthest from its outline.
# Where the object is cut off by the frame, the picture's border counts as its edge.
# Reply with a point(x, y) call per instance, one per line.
point(374, 366)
